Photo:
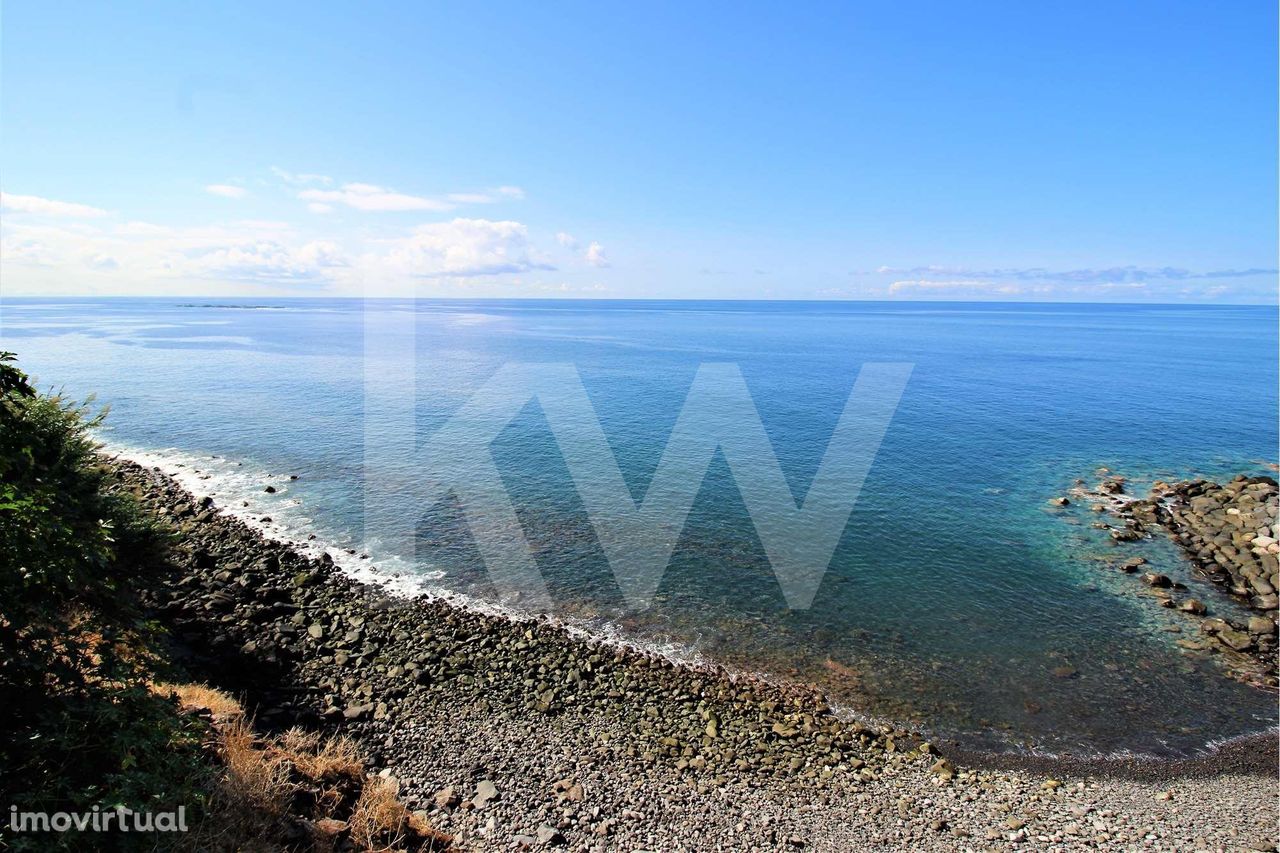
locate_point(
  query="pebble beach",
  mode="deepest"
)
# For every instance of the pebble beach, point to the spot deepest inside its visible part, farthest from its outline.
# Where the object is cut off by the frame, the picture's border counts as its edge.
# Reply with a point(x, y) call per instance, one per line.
point(516, 734)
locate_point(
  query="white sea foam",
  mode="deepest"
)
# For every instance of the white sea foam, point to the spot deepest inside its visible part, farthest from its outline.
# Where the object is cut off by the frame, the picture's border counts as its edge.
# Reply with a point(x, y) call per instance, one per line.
point(238, 490)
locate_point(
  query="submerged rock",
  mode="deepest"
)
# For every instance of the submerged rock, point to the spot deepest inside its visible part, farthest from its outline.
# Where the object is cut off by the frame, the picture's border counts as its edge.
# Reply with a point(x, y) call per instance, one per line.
point(1237, 640)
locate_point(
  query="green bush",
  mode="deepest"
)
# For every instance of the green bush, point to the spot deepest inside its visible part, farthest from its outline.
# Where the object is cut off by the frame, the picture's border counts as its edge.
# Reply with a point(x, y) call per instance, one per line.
point(78, 725)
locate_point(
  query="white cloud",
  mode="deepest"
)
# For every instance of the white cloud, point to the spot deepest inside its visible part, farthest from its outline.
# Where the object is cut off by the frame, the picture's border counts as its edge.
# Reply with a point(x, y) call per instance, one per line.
point(248, 255)
point(264, 224)
point(1103, 275)
point(460, 248)
point(564, 238)
point(925, 284)
point(371, 197)
point(595, 255)
point(266, 260)
point(300, 179)
point(566, 288)
point(48, 207)
point(142, 229)
point(488, 196)
point(141, 257)
point(226, 190)
point(324, 254)
point(144, 257)
point(470, 198)
point(971, 287)
point(980, 288)
point(1169, 283)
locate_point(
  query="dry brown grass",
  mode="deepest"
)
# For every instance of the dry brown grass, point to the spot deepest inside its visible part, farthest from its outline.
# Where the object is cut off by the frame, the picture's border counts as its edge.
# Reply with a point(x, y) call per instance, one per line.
point(380, 822)
point(253, 789)
point(321, 758)
point(263, 779)
point(199, 697)
point(256, 777)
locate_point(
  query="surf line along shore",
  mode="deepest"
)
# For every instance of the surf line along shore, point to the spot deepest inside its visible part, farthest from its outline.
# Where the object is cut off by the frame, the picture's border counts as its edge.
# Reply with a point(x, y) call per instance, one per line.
point(515, 731)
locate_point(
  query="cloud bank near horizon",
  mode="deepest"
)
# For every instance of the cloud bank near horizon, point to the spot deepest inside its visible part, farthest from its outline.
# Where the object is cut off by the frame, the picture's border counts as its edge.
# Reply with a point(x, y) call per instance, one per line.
point(1138, 283)
point(54, 247)
point(1110, 275)
point(311, 245)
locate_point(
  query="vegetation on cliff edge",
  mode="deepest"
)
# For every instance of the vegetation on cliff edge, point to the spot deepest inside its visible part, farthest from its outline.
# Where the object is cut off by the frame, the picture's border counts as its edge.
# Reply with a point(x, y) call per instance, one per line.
point(81, 727)
point(89, 718)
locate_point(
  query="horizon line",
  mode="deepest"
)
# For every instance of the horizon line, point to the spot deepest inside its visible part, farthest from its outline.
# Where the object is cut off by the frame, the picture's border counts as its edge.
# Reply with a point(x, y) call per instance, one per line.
point(557, 298)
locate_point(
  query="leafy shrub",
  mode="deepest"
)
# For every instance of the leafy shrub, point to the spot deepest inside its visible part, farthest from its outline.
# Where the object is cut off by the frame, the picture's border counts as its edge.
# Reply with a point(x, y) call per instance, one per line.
point(78, 726)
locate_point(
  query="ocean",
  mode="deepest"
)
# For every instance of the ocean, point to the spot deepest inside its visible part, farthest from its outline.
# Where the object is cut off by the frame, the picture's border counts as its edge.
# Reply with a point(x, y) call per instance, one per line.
point(956, 597)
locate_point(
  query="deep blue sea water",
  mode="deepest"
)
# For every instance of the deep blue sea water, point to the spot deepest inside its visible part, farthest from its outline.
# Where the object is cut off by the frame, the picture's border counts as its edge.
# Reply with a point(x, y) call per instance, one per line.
point(954, 592)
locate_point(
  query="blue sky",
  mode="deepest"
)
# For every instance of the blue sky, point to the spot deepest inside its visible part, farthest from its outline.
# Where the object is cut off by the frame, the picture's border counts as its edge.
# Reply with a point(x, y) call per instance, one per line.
point(1082, 152)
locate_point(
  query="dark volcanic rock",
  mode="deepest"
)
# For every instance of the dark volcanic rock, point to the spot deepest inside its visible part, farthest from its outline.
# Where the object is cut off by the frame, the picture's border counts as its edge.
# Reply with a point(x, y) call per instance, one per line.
point(1229, 533)
point(306, 643)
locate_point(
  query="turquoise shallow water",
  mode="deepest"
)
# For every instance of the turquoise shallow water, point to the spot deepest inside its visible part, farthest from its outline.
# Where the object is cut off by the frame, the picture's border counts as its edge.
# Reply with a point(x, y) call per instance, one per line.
point(954, 593)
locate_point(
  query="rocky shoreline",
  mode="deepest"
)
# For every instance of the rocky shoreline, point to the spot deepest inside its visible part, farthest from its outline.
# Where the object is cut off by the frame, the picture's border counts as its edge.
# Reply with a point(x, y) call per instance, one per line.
point(514, 734)
point(1229, 534)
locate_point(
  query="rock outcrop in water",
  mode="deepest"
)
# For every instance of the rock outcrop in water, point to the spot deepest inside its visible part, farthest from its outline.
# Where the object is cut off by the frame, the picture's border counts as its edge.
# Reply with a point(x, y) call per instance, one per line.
point(1230, 534)
point(1230, 531)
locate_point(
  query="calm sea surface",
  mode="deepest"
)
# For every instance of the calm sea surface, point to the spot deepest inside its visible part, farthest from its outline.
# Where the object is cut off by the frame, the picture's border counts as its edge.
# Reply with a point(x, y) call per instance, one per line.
point(955, 592)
